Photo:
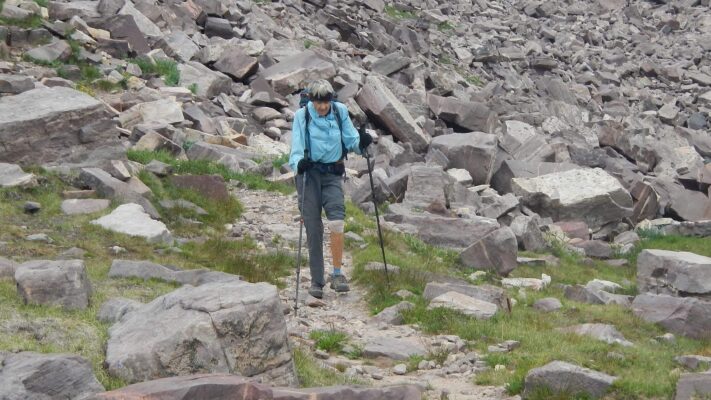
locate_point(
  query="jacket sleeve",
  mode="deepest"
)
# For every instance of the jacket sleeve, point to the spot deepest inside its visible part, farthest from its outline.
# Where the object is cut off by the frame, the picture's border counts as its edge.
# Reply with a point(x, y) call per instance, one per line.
point(297, 140)
point(351, 138)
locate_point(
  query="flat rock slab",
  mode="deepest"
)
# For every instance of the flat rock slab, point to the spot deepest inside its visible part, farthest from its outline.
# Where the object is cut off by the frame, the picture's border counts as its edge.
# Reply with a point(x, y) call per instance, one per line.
point(286, 76)
point(395, 349)
point(464, 304)
point(693, 386)
point(28, 375)
point(566, 378)
point(61, 283)
point(12, 175)
point(548, 304)
point(487, 293)
point(677, 273)
point(84, 206)
point(149, 270)
point(132, 220)
point(603, 332)
point(220, 327)
point(687, 316)
point(114, 309)
point(496, 252)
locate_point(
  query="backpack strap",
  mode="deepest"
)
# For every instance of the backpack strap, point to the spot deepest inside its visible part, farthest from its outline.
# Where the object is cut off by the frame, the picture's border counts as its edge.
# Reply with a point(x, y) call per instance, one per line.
point(307, 136)
point(337, 114)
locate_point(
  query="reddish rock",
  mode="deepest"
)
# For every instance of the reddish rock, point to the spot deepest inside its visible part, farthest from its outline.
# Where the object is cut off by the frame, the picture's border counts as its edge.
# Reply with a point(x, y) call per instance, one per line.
point(212, 186)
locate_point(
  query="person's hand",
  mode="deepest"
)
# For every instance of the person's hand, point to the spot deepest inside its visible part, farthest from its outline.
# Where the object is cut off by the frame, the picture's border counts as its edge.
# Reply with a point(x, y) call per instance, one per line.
point(303, 165)
point(365, 139)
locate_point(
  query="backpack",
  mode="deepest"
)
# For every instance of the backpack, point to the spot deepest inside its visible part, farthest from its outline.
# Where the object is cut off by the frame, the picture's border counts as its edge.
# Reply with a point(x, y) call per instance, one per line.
point(303, 103)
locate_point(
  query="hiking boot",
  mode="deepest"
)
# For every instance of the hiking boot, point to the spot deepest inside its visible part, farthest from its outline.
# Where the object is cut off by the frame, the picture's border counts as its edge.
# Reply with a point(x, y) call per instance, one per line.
point(339, 283)
point(316, 291)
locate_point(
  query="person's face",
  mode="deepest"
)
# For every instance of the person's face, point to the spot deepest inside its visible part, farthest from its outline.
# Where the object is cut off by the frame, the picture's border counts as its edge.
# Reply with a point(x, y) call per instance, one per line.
point(322, 107)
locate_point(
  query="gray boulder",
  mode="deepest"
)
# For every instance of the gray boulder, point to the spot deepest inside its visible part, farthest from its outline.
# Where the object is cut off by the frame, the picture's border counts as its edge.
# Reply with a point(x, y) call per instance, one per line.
point(693, 386)
point(548, 304)
point(474, 152)
point(685, 316)
point(7, 268)
point(393, 315)
point(209, 83)
point(84, 206)
point(565, 378)
point(287, 76)
point(34, 376)
point(426, 186)
point(592, 295)
point(496, 251)
point(464, 304)
point(12, 175)
point(377, 100)
point(237, 64)
point(59, 283)
point(65, 110)
point(590, 194)
point(131, 219)
point(15, 84)
point(528, 234)
point(395, 349)
point(106, 185)
point(464, 114)
point(603, 332)
point(676, 273)
point(178, 45)
point(692, 361)
point(509, 169)
point(114, 309)
point(148, 270)
point(488, 293)
point(234, 159)
point(231, 327)
point(57, 51)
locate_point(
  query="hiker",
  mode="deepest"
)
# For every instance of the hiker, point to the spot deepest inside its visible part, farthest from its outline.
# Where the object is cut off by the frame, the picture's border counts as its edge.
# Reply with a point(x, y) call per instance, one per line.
point(322, 135)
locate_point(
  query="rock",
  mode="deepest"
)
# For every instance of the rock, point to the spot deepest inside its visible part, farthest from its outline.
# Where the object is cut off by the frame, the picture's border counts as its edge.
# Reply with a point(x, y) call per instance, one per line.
point(390, 64)
point(159, 168)
point(148, 270)
point(234, 159)
point(595, 248)
point(599, 284)
point(171, 204)
point(603, 332)
point(107, 186)
point(460, 175)
point(501, 181)
point(59, 283)
point(395, 349)
point(629, 238)
point(218, 27)
point(194, 330)
point(39, 237)
point(548, 304)
point(210, 186)
point(163, 111)
point(224, 386)
point(562, 377)
point(131, 219)
point(527, 283)
point(426, 186)
point(697, 121)
point(495, 251)
point(208, 83)
point(12, 175)
point(320, 354)
point(674, 273)
point(495, 206)
point(574, 229)
point(15, 84)
point(144, 24)
point(680, 203)
point(28, 375)
point(236, 64)
point(691, 386)
point(400, 369)
point(57, 51)
point(467, 115)
point(592, 295)
point(692, 361)
point(287, 76)
point(392, 315)
point(591, 194)
point(464, 304)
point(376, 99)
point(487, 293)
point(178, 45)
point(125, 28)
point(474, 152)
point(7, 268)
point(265, 114)
point(685, 316)
point(668, 113)
point(84, 206)
point(528, 235)
point(65, 110)
point(114, 309)
point(72, 253)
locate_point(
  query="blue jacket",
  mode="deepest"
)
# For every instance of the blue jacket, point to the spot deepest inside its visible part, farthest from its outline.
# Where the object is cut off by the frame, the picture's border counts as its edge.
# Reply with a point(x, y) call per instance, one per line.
point(325, 135)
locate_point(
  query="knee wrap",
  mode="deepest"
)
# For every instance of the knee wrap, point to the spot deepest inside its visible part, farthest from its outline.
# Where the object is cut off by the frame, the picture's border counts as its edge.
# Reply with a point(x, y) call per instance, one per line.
point(336, 226)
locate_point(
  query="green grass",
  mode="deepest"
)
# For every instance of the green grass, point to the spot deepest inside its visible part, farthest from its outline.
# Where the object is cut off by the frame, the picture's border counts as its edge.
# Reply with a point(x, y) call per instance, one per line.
point(31, 22)
point(646, 371)
point(331, 340)
point(193, 88)
point(167, 69)
point(281, 160)
point(445, 26)
point(204, 167)
point(42, 3)
point(396, 14)
point(311, 374)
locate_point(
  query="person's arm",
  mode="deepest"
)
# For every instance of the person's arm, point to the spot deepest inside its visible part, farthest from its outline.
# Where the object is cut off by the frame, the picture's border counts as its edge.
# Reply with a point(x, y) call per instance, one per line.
point(297, 141)
point(350, 135)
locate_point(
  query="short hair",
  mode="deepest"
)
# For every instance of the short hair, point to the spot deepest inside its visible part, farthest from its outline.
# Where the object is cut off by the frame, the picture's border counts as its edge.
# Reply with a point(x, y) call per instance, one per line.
point(321, 90)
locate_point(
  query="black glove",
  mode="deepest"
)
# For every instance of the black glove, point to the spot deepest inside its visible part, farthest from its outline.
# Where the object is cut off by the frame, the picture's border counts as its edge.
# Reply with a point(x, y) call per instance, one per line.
point(303, 165)
point(365, 139)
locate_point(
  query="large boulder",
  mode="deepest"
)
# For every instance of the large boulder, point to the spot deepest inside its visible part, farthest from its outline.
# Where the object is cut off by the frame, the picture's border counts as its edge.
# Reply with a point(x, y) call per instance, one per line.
point(235, 63)
point(131, 219)
point(467, 115)
point(496, 251)
point(438, 230)
point(288, 76)
point(44, 125)
point(12, 175)
point(34, 376)
point(392, 348)
point(229, 327)
point(426, 185)
point(693, 386)
point(680, 203)
point(114, 309)
point(509, 169)
point(234, 159)
point(528, 234)
point(676, 273)
point(234, 387)
point(464, 304)
point(62, 283)
point(685, 316)
point(474, 152)
point(377, 100)
point(590, 194)
point(108, 186)
point(564, 378)
point(488, 293)
point(208, 83)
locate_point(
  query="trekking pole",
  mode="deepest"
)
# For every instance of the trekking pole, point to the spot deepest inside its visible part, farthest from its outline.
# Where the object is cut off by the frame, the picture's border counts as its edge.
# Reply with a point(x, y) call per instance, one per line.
point(298, 254)
point(375, 205)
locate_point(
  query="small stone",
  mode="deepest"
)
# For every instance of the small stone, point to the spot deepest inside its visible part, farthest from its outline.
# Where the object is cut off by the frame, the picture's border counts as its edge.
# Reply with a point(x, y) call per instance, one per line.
point(403, 293)
point(321, 354)
point(400, 369)
point(667, 337)
point(422, 365)
point(377, 375)
point(354, 237)
point(32, 207)
point(548, 304)
point(40, 237)
point(117, 250)
point(159, 168)
point(499, 367)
